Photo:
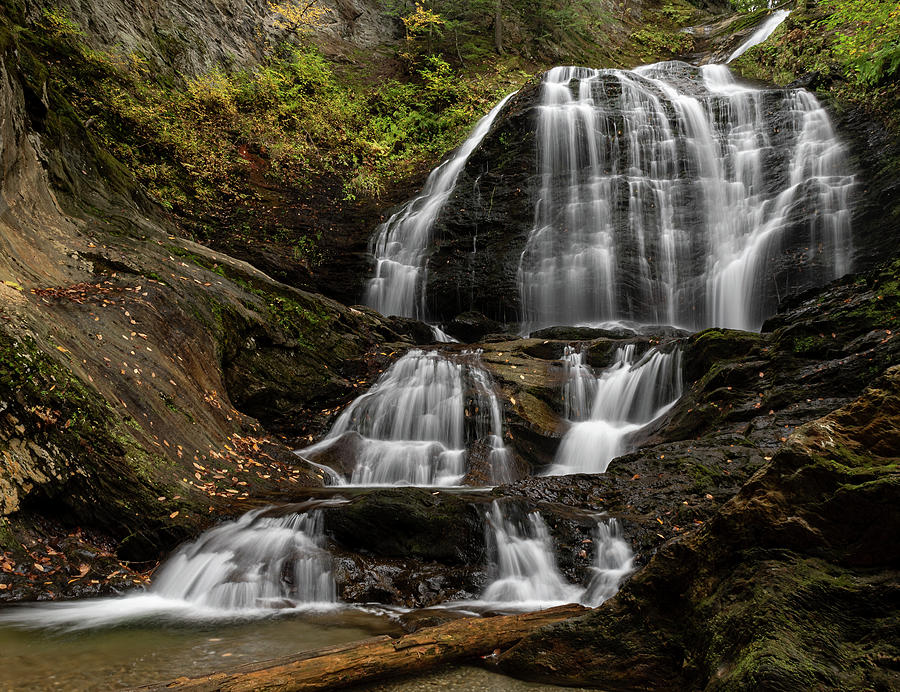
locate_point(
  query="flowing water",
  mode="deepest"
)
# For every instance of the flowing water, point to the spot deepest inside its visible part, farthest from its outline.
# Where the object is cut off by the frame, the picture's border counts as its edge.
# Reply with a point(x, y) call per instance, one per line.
point(580, 387)
point(525, 571)
point(628, 395)
point(410, 428)
point(761, 34)
point(526, 575)
point(667, 195)
point(613, 560)
point(245, 568)
point(400, 245)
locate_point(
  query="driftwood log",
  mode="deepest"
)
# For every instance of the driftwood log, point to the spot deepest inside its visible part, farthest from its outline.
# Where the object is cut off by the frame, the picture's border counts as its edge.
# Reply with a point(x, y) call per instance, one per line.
point(379, 657)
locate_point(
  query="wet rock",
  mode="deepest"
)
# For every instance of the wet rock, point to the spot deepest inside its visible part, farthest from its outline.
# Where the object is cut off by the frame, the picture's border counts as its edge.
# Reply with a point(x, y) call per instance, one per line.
point(581, 333)
point(782, 582)
point(472, 326)
point(419, 619)
point(407, 583)
point(409, 523)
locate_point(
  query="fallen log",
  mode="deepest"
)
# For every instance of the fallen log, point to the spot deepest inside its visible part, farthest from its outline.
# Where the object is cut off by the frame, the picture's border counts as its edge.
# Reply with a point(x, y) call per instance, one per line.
point(379, 657)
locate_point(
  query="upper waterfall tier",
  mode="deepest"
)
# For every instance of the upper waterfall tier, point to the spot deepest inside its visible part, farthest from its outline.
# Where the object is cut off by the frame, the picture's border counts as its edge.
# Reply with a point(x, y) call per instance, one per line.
point(666, 193)
point(669, 194)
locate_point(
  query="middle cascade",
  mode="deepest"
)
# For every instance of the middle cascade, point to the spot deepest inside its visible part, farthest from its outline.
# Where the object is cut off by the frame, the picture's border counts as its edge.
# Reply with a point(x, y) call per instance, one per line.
point(411, 428)
point(628, 395)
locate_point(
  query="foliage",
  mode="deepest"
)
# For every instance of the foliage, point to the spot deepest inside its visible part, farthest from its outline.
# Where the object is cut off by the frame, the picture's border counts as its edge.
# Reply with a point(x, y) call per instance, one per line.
point(422, 21)
point(853, 44)
point(657, 42)
point(867, 38)
point(299, 17)
point(293, 119)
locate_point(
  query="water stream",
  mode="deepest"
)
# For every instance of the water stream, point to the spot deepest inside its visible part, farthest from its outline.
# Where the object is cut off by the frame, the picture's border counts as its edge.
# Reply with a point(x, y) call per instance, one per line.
point(628, 395)
point(246, 568)
point(400, 245)
point(761, 34)
point(525, 571)
point(668, 193)
point(410, 428)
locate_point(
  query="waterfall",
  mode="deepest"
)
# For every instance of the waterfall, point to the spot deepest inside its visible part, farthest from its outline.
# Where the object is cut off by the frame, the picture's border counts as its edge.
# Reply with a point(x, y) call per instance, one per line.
point(524, 564)
point(400, 245)
point(251, 563)
point(613, 561)
point(629, 394)
point(490, 427)
point(668, 195)
point(761, 34)
point(251, 566)
point(580, 385)
point(410, 427)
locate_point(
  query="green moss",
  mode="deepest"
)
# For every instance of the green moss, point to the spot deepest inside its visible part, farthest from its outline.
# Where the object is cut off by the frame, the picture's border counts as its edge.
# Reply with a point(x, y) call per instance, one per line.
point(808, 345)
point(853, 40)
point(766, 638)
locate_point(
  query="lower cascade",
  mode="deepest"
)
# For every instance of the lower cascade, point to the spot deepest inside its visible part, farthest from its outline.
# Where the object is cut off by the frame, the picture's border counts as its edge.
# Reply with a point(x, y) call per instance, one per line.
point(525, 571)
point(255, 565)
point(254, 562)
point(628, 395)
point(411, 427)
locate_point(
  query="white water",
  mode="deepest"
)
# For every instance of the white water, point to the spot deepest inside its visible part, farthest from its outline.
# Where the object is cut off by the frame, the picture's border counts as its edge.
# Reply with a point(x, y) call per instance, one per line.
point(490, 426)
point(628, 395)
point(526, 575)
point(666, 193)
point(613, 561)
point(761, 34)
point(400, 245)
point(249, 567)
point(410, 427)
point(580, 385)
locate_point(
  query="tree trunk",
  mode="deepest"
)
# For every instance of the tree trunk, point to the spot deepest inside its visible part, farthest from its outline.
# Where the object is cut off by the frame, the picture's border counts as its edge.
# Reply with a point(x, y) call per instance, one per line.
point(379, 657)
point(498, 28)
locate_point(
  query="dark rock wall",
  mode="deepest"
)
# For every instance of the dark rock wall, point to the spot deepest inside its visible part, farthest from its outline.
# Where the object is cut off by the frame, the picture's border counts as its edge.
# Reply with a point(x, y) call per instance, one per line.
point(797, 572)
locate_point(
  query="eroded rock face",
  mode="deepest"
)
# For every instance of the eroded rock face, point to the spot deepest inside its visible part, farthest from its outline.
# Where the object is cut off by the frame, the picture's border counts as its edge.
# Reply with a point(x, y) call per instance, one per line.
point(796, 571)
point(124, 349)
point(195, 37)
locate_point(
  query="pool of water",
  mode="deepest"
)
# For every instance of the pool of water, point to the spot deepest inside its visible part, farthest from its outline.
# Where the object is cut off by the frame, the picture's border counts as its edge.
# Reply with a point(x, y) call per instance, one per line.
point(140, 653)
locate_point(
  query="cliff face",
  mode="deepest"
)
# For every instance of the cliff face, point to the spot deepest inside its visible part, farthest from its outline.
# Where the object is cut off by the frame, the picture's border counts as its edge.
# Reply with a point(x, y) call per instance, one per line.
point(124, 348)
point(193, 37)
